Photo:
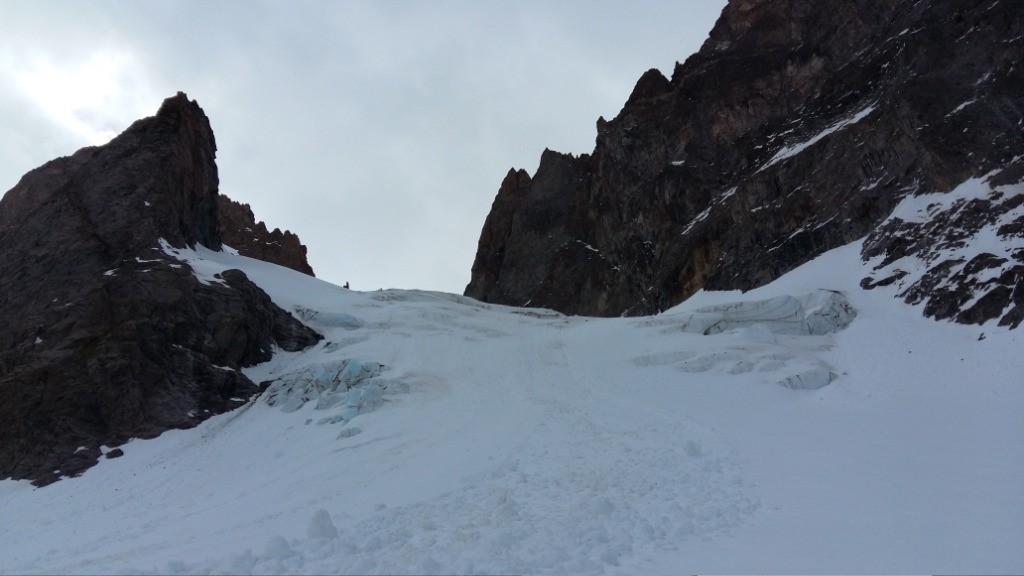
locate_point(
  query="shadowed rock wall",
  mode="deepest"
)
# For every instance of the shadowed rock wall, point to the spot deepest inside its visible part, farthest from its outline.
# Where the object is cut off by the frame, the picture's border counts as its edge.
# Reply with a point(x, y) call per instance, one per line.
point(106, 337)
point(798, 127)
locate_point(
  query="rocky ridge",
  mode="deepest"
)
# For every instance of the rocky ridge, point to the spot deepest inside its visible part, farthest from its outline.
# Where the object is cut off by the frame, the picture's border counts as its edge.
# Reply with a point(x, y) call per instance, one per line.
point(109, 336)
point(241, 231)
point(798, 127)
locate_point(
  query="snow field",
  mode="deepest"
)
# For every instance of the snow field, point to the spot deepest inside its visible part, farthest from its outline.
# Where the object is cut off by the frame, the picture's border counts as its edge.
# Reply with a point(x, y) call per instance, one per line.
point(813, 428)
point(557, 489)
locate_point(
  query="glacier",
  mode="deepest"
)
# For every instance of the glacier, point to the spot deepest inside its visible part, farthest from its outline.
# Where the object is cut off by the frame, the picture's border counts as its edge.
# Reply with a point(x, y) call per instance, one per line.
point(806, 426)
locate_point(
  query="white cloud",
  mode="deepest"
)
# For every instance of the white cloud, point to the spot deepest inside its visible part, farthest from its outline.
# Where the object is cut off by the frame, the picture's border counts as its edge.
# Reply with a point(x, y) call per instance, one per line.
point(88, 97)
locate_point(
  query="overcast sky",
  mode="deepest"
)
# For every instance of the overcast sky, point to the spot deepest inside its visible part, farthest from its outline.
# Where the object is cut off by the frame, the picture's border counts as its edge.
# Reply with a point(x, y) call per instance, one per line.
point(378, 131)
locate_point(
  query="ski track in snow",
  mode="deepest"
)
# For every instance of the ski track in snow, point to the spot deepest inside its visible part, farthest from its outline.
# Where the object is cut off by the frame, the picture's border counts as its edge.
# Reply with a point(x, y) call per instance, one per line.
point(429, 433)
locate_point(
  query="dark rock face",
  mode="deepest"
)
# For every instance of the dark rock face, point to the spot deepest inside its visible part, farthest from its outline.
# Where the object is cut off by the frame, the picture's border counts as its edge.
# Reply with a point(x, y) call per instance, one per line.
point(106, 335)
point(798, 127)
point(241, 231)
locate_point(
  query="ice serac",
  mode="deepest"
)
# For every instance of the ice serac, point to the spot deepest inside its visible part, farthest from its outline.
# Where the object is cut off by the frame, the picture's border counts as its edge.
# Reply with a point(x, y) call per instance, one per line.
point(242, 232)
point(798, 127)
point(106, 335)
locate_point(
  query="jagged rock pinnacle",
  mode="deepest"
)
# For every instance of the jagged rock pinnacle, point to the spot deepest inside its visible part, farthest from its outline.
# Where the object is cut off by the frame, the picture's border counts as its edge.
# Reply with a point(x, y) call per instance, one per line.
point(107, 335)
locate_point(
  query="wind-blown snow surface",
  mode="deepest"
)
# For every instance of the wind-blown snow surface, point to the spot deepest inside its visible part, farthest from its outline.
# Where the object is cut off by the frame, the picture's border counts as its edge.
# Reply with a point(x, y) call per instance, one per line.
point(812, 431)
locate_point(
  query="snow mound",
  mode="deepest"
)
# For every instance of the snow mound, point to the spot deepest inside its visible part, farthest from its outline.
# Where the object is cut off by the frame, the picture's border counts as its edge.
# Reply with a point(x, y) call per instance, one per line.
point(321, 526)
point(816, 313)
point(782, 337)
point(811, 379)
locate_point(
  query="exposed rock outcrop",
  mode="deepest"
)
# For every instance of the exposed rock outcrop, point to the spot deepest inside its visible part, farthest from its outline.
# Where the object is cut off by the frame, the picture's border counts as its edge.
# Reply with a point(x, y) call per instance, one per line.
point(106, 335)
point(241, 231)
point(798, 127)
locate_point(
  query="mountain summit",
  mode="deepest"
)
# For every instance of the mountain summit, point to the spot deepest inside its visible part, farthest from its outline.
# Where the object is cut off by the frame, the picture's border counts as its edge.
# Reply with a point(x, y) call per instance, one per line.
point(798, 127)
point(107, 335)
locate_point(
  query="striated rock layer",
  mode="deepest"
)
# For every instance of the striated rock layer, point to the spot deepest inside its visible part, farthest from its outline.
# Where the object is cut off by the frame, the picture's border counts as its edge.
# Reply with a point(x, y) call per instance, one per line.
point(106, 335)
point(798, 127)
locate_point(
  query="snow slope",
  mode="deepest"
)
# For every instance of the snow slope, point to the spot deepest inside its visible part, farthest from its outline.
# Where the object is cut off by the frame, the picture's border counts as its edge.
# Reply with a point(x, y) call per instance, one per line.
point(816, 427)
